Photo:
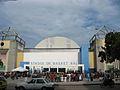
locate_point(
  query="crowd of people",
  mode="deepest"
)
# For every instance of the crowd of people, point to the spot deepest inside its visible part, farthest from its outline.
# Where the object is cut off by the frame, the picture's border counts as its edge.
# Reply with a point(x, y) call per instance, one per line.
point(55, 77)
point(14, 75)
point(52, 76)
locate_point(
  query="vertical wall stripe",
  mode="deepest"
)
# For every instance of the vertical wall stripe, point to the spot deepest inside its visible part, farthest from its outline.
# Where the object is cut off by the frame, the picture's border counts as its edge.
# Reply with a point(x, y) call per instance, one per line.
point(84, 57)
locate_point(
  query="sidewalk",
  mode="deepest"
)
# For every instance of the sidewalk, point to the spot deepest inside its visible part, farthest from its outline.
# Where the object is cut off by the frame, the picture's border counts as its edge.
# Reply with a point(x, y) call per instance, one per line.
point(84, 82)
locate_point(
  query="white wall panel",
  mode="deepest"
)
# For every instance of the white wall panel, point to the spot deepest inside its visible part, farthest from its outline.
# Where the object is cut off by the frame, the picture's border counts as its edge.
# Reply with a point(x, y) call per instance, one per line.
point(52, 57)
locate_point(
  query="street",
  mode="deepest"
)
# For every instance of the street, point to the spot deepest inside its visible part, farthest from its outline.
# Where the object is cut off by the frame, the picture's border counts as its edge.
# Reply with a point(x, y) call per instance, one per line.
point(81, 87)
point(91, 87)
point(74, 87)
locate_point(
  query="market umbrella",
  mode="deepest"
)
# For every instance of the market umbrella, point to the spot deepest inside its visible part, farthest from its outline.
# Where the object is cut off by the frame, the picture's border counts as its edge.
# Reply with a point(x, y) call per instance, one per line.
point(19, 69)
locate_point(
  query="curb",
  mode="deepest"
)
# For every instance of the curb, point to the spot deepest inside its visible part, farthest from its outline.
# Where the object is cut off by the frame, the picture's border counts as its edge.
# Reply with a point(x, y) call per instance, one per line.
point(83, 84)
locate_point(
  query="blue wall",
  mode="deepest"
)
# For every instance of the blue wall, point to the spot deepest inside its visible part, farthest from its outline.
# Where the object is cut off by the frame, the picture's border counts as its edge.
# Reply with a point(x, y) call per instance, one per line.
point(84, 57)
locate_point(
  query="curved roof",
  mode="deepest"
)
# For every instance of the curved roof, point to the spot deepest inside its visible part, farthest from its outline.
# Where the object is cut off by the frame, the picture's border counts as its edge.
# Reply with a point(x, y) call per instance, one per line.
point(57, 42)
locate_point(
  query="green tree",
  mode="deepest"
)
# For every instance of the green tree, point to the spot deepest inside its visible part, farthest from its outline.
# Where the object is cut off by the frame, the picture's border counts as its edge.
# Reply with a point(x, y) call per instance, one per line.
point(112, 46)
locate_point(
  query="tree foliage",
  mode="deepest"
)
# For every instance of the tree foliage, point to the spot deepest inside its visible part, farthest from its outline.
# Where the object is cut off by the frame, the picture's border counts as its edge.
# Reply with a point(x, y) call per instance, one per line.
point(112, 47)
point(102, 55)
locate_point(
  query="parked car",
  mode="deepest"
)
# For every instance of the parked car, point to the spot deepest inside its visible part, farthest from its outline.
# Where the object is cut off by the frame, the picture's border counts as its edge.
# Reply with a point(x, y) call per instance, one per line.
point(3, 83)
point(35, 84)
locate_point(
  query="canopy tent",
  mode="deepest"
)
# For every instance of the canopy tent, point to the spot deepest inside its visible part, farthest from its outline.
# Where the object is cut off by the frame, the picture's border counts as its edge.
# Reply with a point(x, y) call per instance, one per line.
point(19, 69)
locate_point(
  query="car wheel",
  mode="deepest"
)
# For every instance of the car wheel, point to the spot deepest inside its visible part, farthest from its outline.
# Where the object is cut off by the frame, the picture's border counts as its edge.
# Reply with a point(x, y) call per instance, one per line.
point(102, 85)
point(21, 88)
point(44, 88)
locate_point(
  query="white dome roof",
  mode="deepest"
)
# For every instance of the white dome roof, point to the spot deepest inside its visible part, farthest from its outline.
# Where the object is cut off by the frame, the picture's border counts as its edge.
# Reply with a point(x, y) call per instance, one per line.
point(57, 42)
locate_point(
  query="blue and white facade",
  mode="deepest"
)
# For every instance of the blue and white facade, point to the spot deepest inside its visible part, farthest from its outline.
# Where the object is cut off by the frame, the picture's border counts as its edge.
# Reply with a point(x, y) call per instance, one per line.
point(54, 54)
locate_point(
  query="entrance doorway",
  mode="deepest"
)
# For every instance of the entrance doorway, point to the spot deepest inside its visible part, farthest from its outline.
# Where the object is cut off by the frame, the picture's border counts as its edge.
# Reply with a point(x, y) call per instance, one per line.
point(61, 69)
point(53, 69)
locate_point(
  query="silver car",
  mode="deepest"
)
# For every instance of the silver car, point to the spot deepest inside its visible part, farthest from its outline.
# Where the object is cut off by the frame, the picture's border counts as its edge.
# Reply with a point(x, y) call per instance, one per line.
point(35, 84)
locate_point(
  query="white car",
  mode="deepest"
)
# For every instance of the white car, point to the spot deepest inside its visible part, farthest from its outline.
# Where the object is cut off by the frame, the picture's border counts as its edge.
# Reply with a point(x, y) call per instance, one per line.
point(36, 84)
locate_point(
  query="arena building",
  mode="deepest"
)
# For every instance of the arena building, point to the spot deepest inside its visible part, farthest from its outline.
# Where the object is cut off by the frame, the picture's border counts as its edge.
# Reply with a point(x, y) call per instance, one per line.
point(58, 54)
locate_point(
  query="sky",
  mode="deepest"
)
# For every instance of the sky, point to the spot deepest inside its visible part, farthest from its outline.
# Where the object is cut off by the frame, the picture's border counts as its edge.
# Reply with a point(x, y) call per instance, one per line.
point(35, 20)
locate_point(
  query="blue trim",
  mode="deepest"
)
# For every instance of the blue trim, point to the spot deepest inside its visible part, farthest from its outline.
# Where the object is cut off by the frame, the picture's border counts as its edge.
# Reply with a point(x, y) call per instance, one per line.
point(23, 63)
point(84, 57)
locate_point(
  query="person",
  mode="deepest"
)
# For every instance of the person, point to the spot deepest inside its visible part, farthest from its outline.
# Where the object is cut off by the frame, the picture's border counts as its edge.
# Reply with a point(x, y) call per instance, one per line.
point(69, 77)
point(13, 75)
point(80, 77)
point(62, 78)
point(88, 76)
point(1, 63)
point(91, 77)
point(25, 76)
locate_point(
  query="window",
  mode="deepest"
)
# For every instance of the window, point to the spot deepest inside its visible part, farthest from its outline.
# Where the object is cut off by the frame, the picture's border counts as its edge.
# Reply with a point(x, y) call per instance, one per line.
point(32, 81)
point(61, 69)
point(47, 80)
point(40, 81)
point(45, 69)
point(53, 69)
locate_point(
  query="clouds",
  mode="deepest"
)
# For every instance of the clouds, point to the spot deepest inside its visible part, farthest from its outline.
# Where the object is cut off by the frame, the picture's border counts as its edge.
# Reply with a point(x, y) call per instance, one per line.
point(7, 0)
point(75, 19)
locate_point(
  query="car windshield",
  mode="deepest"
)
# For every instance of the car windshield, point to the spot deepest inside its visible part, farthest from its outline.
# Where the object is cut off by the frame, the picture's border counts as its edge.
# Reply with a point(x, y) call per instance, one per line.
point(47, 80)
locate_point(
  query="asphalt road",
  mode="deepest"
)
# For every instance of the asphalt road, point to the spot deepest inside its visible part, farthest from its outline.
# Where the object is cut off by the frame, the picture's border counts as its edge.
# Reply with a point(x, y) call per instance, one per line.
point(90, 87)
point(66, 86)
point(75, 87)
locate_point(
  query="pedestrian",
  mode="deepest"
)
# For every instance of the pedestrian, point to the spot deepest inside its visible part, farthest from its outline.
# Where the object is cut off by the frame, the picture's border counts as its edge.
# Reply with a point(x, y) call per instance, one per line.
point(80, 77)
point(91, 77)
point(25, 76)
point(88, 76)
